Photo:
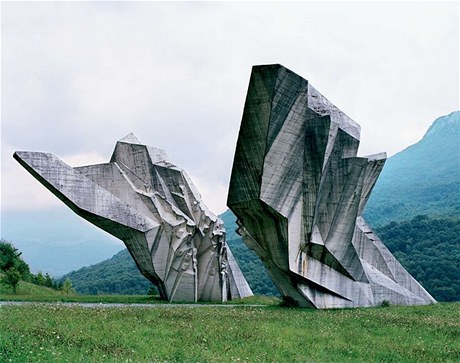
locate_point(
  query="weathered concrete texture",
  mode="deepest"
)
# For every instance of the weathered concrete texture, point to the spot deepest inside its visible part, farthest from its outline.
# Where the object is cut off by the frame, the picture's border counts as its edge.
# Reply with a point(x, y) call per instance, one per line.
point(298, 190)
point(153, 207)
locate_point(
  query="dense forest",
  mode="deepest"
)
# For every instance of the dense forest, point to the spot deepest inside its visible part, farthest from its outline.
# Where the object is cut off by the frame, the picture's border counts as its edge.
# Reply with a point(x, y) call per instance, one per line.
point(117, 275)
point(430, 250)
point(253, 269)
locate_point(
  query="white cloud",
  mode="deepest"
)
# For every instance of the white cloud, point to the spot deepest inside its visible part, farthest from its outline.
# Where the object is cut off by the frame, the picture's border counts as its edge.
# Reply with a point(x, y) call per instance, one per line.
point(214, 195)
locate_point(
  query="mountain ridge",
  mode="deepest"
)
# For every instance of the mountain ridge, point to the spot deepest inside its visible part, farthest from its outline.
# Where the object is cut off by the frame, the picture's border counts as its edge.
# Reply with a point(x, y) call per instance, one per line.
point(424, 178)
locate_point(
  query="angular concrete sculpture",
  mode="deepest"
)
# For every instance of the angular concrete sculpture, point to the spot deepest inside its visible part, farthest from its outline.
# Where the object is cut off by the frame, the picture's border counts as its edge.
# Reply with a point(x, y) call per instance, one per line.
point(153, 207)
point(298, 190)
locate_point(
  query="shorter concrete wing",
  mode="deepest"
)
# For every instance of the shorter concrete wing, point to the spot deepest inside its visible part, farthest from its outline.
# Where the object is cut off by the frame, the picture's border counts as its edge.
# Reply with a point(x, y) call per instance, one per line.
point(153, 207)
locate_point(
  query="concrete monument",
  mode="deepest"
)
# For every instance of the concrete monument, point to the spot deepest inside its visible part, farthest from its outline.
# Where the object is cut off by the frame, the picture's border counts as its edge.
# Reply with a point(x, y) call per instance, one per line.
point(298, 190)
point(154, 208)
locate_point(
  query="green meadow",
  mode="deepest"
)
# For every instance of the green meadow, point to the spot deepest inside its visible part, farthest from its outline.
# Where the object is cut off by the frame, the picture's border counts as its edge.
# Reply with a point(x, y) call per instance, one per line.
point(268, 333)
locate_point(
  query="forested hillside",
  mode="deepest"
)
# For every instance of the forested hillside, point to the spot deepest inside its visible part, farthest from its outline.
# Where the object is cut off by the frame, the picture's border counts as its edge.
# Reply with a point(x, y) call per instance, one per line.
point(117, 275)
point(430, 250)
point(249, 263)
point(252, 269)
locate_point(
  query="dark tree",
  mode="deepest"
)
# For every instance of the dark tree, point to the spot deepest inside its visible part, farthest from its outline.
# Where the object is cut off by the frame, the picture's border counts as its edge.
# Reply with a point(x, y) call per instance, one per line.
point(11, 278)
point(10, 257)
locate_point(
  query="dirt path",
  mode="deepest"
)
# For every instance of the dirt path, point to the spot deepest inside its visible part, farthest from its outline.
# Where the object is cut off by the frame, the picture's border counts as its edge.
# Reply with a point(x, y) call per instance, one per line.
point(120, 305)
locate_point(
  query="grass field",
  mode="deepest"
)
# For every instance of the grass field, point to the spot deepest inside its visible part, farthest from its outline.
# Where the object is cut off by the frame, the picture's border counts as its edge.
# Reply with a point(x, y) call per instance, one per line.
point(30, 292)
point(58, 333)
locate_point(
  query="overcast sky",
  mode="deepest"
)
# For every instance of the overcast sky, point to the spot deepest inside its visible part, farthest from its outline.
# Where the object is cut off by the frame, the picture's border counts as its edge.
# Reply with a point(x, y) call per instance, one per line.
point(78, 76)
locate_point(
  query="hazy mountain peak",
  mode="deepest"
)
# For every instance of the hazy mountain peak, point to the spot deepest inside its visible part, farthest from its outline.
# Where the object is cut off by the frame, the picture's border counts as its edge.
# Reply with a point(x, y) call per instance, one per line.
point(421, 179)
point(445, 124)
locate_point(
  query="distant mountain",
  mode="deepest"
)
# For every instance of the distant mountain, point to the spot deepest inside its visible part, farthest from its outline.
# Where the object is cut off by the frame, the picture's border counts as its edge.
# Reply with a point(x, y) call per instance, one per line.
point(230, 225)
point(57, 241)
point(422, 179)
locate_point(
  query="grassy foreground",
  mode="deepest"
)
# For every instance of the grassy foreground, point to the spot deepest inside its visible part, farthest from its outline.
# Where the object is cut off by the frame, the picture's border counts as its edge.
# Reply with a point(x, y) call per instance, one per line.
point(30, 292)
point(58, 333)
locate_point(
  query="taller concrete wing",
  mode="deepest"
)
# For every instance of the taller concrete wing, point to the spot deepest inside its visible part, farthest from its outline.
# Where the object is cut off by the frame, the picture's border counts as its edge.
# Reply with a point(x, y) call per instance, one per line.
point(298, 189)
point(154, 208)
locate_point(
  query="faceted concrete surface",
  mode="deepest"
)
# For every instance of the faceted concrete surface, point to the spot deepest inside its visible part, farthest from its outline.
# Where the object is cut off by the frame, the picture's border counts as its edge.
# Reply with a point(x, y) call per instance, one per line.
point(154, 208)
point(298, 190)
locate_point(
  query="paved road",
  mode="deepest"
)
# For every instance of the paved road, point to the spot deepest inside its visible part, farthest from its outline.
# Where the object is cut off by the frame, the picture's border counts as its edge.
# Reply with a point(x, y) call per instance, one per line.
point(117, 305)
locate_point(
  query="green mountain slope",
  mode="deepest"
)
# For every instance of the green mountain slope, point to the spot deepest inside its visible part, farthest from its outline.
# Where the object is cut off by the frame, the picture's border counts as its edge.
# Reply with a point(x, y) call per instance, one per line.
point(249, 263)
point(116, 275)
point(120, 275)
point(422, 179)
point(28, 289)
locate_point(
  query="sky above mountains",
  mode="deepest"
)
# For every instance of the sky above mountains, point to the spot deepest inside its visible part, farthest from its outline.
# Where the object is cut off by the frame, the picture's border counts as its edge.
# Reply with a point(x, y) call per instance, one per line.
point(78, 76)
